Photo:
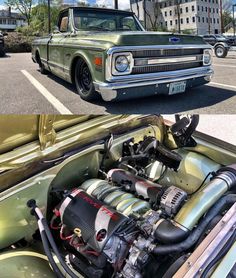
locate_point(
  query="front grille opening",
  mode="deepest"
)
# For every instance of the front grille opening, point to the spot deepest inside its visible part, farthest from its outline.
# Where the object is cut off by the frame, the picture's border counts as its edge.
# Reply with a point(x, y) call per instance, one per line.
point(164, 68)
point(165, 53)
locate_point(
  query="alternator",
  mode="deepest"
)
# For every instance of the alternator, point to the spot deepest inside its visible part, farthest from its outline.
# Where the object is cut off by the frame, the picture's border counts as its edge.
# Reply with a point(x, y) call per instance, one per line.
point(172, 200)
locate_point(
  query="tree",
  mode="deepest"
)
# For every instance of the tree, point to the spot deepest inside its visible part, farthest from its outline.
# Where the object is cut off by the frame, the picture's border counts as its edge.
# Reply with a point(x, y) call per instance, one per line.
point(154, 16)
point(177, 9)
point(23, 6)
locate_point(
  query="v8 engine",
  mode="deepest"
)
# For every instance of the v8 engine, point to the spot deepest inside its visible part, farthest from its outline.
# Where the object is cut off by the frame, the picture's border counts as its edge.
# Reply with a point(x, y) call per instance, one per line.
point(139, 218)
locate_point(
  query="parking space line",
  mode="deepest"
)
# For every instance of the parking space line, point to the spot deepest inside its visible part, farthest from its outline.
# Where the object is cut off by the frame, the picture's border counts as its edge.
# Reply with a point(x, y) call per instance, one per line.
point(228, 66)
point(53, 100)
point(222, 85)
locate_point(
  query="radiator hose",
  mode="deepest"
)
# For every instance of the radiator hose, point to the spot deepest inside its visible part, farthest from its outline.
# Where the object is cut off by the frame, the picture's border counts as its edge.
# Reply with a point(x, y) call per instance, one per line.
point(173, 231)
point(226, 200)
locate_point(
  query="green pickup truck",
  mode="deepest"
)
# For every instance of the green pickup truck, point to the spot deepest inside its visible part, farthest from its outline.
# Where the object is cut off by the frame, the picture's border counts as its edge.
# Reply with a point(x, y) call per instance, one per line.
point(108, 52)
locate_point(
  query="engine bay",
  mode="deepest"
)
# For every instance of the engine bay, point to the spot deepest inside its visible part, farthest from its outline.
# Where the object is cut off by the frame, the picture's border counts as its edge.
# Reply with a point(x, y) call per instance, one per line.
point(133, 207)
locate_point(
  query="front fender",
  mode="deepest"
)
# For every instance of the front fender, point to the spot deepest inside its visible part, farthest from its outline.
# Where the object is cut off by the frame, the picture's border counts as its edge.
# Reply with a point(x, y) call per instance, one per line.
point(224, 44)
point(88, 57)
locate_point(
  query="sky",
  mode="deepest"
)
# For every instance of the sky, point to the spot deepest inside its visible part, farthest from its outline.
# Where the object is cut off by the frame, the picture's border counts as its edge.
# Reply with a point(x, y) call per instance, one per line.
point(123, 4)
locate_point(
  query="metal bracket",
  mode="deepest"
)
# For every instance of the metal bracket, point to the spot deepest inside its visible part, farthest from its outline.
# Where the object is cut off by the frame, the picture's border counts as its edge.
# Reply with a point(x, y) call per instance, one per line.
point(47, 134)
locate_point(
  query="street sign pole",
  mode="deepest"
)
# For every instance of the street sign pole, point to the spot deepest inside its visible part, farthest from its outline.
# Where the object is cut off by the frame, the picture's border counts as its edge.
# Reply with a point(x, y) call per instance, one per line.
point(234, 19)
point(49, 17)
point(116, 4)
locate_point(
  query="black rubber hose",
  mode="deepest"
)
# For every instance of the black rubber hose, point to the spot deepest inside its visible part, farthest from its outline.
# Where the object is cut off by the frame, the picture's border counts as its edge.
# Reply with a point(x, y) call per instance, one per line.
point(32, 204)
point(220, 255)
point(55, 249)
point(49, 255)
point(197, 232)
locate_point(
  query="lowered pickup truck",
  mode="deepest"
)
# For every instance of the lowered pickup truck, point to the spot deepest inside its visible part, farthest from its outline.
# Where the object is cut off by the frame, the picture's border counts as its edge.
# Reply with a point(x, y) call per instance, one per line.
point(107, 52)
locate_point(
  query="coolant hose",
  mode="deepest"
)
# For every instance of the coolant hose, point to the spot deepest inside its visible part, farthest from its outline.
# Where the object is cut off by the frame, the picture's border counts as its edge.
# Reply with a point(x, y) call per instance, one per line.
point(226, 200)
point(178, 229)
point(37, 211)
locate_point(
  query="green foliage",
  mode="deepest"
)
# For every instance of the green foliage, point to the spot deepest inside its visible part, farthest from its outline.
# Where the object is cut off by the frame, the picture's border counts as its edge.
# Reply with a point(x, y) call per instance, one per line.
point(227, 17)
point(39, 21)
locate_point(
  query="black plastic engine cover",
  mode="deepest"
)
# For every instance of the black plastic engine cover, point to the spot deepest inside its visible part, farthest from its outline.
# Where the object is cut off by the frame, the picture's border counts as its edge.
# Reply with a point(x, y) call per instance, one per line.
point(96, 221)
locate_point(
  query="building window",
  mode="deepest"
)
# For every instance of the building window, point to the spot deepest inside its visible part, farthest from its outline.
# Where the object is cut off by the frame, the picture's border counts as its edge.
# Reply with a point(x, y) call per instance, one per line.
point(176, 21)
point(206, 9)
point(209, 10)
point(203, 19)
point(218, 21)
point(214, 20)
point(170, 13)
point(160, 5)
point(193, 8)
point(187, 20)
point(165, 13)
point(166, 23)
point(170, 22)
point(181, 10)
point(186, 9)
point(216, 1)
point(207, 19)
point(213, 10)
point(198, 8)
point(202, 9)
point(193, 19)
point(181, 20)
point(217, 11)
point(211, 20)
point(199, 19)
point(170, 4)
point(209, 1)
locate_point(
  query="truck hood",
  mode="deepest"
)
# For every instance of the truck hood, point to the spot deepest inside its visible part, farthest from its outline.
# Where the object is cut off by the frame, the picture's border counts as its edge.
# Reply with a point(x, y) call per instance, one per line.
point(138, 38)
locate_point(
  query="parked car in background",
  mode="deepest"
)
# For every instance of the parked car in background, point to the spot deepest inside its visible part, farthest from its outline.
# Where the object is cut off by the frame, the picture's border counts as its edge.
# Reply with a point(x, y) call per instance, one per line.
point(2, 45)
point(221, 44)
point(107, 52)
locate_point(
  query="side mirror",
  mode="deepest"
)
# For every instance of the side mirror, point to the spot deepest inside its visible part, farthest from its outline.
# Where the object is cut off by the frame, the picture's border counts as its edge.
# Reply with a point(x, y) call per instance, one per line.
point(56, 30)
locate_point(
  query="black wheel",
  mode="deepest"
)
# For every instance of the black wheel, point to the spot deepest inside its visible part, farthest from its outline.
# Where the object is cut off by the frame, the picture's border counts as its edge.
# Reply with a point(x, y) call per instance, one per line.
point(41, 65)
point(221, 51)
point(84, 81)
point(2, 53)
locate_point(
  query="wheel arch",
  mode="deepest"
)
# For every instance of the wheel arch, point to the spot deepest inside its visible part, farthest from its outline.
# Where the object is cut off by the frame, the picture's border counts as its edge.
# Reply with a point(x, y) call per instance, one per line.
point(74, 61)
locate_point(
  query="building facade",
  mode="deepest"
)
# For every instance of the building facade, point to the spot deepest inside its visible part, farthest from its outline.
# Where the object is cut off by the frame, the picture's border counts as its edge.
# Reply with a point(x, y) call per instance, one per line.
point(9, 20)
point(192, 16)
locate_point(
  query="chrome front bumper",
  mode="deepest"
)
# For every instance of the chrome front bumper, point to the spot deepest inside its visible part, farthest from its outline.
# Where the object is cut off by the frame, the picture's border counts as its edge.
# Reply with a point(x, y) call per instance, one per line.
point(110, 91)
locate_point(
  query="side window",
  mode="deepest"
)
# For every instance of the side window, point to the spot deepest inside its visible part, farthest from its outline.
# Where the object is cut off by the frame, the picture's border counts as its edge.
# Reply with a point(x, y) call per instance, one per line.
point(63, 22)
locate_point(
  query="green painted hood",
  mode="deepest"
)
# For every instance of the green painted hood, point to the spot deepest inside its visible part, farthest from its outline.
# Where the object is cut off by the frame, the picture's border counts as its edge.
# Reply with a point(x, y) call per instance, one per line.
point(107, 39)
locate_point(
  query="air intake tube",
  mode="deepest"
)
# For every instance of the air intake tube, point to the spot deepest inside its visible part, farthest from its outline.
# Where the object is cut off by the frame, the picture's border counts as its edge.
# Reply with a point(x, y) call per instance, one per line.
point(178, 229)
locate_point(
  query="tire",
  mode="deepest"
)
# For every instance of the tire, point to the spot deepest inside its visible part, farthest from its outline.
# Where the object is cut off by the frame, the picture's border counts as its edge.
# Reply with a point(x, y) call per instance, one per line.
point(42, 68)
point(2, 52)
point(41, 65)
point(221, 51)
point(84, 81)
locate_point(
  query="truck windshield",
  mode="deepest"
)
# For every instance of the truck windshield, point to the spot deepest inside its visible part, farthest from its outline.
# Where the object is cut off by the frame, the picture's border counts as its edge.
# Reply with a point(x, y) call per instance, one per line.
point(105, 21)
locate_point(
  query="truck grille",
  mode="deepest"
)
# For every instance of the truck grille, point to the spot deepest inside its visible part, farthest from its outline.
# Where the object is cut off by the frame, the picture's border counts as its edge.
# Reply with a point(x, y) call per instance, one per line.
point(163, 60)
point(162, 68)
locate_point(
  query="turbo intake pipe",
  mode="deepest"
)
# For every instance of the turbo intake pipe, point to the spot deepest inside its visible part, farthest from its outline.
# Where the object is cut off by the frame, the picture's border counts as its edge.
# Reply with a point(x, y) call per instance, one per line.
point(173, 231)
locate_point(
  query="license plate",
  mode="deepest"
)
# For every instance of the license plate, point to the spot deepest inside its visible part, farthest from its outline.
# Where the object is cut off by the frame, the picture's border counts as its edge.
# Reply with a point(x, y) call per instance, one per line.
point(177, 87)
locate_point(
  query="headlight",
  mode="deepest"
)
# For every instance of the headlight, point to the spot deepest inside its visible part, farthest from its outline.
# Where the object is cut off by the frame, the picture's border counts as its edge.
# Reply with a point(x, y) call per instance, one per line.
point(207, 57)
point(122, 63)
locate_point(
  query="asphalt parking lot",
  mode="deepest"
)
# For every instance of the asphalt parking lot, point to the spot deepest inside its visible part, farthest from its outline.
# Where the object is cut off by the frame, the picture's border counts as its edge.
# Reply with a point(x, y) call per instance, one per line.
point(24, 90)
